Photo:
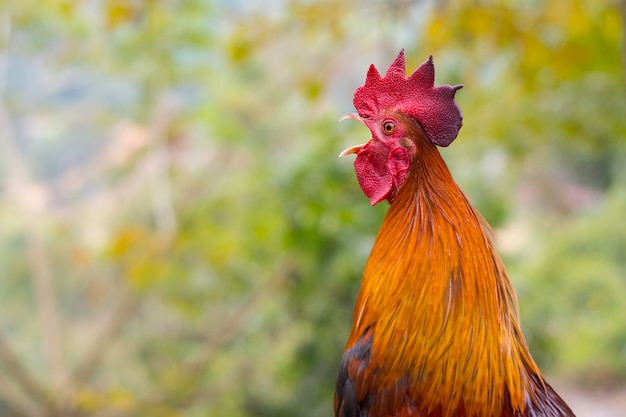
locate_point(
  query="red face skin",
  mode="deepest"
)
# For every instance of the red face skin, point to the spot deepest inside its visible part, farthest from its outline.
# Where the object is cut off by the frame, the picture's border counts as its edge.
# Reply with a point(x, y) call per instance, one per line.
point(382, 163)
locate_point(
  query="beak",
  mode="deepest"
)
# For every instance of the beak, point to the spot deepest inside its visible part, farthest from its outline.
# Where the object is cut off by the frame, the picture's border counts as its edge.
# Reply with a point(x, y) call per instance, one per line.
point(354, 116)
point(352, 149)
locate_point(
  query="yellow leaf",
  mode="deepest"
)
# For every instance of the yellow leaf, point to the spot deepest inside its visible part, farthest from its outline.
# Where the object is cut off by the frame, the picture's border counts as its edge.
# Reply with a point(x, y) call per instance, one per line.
point(438, 31)
point(125, 240)
point(118, 12)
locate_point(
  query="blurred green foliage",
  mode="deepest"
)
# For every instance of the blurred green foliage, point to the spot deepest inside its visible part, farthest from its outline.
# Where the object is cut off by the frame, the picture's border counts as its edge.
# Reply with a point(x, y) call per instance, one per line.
point(179, 237)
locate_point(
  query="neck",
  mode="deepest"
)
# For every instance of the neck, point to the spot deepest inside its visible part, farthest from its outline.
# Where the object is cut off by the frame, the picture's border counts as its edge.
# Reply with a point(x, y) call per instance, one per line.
point(436, 297)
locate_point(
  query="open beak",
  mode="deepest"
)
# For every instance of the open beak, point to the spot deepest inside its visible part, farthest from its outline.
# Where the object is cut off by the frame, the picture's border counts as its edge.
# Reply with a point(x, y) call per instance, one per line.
point(354, 116)
point(352, 149)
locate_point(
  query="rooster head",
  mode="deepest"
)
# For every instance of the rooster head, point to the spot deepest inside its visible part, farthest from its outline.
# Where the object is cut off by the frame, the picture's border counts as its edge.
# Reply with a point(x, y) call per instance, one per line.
point(396, 109)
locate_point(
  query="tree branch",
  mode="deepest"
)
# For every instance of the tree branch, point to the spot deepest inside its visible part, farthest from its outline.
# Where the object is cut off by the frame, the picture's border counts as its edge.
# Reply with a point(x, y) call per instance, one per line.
point(159, 182)
point(46, 303)
point(13, 367)
point(27, 195)
point(15, 400)
point(105, 338)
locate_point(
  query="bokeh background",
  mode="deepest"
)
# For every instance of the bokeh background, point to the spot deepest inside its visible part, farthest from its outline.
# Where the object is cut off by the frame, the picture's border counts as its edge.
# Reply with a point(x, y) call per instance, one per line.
point(179, 238)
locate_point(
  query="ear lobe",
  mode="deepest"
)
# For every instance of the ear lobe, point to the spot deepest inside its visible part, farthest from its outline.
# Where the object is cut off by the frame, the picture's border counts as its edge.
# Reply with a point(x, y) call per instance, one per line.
point(399, 162)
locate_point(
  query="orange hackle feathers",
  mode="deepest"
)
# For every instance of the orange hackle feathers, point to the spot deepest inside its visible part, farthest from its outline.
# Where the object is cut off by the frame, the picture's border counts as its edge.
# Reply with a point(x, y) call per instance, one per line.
point(436, 330)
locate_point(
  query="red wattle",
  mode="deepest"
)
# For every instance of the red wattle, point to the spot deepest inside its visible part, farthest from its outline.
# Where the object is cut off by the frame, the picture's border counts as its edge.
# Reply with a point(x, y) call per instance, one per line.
point(372, 172)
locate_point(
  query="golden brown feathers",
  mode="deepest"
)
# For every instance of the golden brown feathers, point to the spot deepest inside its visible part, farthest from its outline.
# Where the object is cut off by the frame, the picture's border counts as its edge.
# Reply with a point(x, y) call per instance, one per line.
point(436, 329)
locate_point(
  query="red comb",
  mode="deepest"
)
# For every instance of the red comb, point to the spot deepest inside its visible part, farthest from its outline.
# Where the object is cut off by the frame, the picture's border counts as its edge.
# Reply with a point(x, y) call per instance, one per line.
point(433, 107)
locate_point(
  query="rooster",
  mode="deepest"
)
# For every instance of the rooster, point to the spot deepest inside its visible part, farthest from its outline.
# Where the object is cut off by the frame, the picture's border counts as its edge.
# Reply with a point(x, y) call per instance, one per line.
point(436, 331)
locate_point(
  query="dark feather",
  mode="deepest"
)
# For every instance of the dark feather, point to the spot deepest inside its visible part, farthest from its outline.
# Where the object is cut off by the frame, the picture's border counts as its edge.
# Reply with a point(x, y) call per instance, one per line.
point(351, 377)
point(358, 393)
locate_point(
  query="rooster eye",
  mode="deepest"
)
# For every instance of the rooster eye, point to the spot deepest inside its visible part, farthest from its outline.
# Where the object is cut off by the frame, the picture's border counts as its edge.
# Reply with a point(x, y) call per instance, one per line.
point(389, 128)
